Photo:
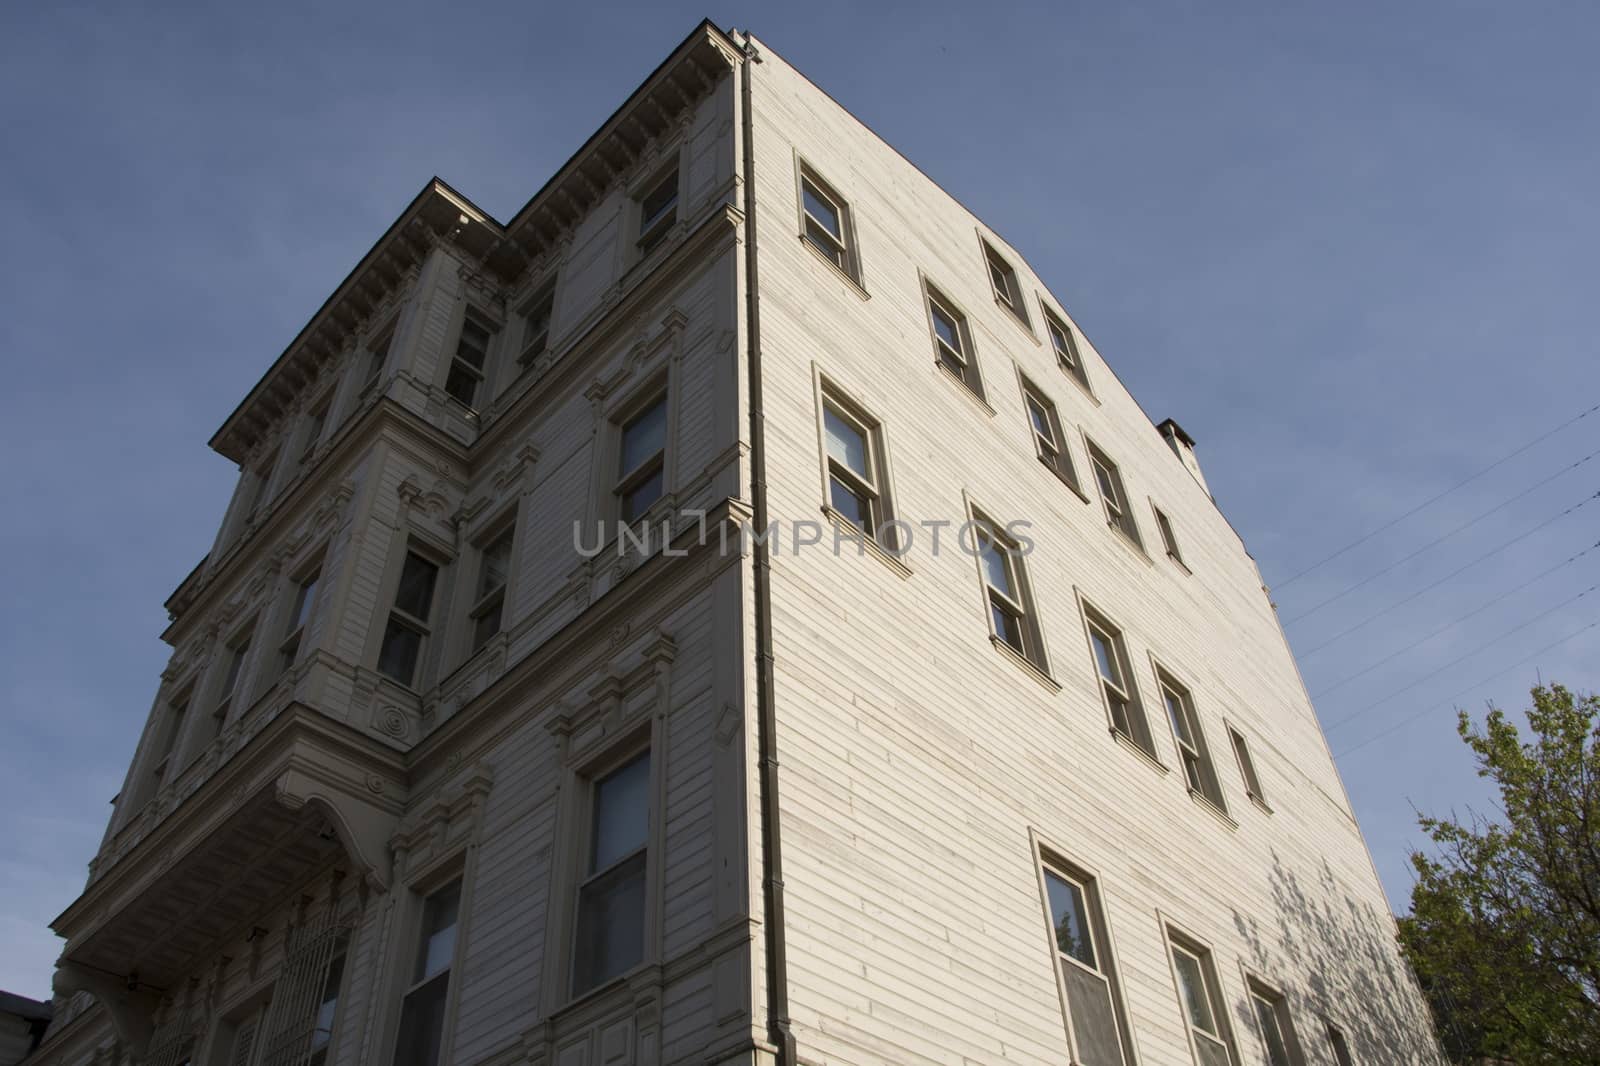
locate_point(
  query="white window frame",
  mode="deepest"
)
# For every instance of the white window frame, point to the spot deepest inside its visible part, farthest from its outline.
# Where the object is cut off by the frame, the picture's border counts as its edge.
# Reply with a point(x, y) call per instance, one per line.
point(836, 249)
point(1134, 726)
point(1069, 356)
point(302, 605)
point(1194, 754)
point(626, 482)
point(495, 599)
point(1113, 493)
point(544, 295)
point(315, 425)
point(1261, 994)
point(965, 357)
point(1049, 861)
point(590, 778)
point(875, 485)
point(1017, 605)
point(377, 351)
point(1005, 284)
point(410, 984)
point(1169, 537)
point(1247, 765)
point(236, 653)
point(1216, 1001)
point(1338, 1043)
point(174, 715)
point(1052, 451)
point(481, 376)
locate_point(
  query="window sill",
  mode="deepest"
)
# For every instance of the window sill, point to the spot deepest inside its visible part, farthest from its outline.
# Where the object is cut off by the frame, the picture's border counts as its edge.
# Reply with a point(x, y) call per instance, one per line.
point(850, 534)
point(1076, 380)
point(1139, 749)
point(966, 390)
point(1180, 564)
point(1126, 538)
point(1259, 802)
point(1028, 665)
point(1211, 808)
point(844, 275)
point(1076, 491)
point(1017, 320)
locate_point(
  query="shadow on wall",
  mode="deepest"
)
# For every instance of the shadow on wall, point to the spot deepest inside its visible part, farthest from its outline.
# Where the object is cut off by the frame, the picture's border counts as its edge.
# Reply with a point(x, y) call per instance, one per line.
point(1356, 976)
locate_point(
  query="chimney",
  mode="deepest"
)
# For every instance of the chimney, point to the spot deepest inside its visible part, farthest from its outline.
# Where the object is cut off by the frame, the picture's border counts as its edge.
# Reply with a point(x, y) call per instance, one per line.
point(1182, 446)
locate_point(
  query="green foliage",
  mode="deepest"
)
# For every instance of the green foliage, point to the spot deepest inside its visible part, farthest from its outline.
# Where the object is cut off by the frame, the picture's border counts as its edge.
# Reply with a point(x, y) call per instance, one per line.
point(1504, 931)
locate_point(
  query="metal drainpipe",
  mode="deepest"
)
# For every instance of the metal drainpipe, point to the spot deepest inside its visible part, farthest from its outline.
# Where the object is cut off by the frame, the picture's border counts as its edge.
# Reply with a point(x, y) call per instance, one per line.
point(778, 1028)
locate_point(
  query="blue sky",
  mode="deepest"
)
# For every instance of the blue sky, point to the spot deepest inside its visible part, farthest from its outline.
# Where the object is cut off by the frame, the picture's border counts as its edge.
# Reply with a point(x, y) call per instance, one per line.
point(1349, 247)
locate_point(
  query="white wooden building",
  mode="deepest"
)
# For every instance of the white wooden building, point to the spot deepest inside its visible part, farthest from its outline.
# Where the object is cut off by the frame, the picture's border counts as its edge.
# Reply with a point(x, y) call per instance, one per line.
point(727, 613)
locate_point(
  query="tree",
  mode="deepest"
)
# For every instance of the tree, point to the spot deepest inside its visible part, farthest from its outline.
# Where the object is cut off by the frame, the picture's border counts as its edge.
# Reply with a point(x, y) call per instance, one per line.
point(1504, 930)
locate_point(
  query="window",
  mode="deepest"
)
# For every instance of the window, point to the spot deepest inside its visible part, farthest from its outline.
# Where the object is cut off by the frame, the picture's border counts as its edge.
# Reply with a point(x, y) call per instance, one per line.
point(611, 898)
point(408, 622)
point(1083, 966)
point(641, 474)
point(316, 419)
point(1338, 1046)
point(658, 211)
point(1197, 768)
point(260, 481)
point(1247, 766)
point(1003, 279)
point(1202, 1006)
point(1065, 347)
point(1116, 681)
point(305, 595)
point(327, 1014)
point(1011, 616)
point(1277, 1031)
point(469, 366)
point(1169, 540)
point(377, 355)
point(1113, 495)
point(239, 1038)
point(422, 1011)
point(825, 223)
point(952, 341)
point(536, 318)
point(488, 612)
point(237, 651)
point(853, 457)
point(1048, 440)
point(171, 730)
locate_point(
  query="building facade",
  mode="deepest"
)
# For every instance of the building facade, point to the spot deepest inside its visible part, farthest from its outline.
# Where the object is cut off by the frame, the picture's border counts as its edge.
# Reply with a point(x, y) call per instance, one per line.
point(727, 613)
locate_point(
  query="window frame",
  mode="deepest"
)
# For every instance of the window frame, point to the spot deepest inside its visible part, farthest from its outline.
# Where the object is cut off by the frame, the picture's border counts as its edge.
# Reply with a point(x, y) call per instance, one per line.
point(424, 628)
point(830, 397)
point(937, 302)
point(837, 250)
point(1212, 992)
point(1247, 766)
point(1134, 727)
point(651, 232)
point(260, 491)
point(1034, 397)
point(481, 375)
point(1005, 284)
point(1048, 862)
point(1071, 360)
point(624, 483)
point(542, 295)
point(314, 426)
point(1169, 536)
point(174, 716)
point(1018, 605)
point(302, 605)
point(496, 599)
point(1118, 509)
point(1338, 1043)
point(590, 778)
point(378, 350)
point(1194, 753)
point(1261, 994)
point(237, 648)
point(423, 894)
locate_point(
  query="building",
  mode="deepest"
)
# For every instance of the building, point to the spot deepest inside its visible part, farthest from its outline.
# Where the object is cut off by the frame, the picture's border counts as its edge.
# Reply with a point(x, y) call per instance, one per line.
point(542, 699)
point(22, 1026)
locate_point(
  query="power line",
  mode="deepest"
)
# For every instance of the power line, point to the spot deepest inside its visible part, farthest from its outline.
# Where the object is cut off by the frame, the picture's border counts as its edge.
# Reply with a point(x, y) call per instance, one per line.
point(1456, 662)
point(1434, 499)
point(1442, 629)
point(1451, 699)
point(1368, 580)
point(1429, 588)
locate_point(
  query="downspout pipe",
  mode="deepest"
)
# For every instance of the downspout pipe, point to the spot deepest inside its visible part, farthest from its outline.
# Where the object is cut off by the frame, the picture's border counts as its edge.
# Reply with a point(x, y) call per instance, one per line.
point(778, 1026)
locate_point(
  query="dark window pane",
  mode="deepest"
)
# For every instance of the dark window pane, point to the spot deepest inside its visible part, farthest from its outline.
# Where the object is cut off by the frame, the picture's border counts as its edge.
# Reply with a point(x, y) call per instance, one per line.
point(415, 592)
point(847, 503)
point(1272, 1033)
point(644, 435)
point(398, 656)
point(822, 210)
point(658, 203)
point(487, 624)
point(494, 565)
point(438, 943)
point(1007, 626)
point(462, 384)
point(1070, 914)
point(1094, 1019)
point(621, 813)
point(610, 924)
point(846, 444)
point(946, 328)
point(422, 1024)
point(639, 499)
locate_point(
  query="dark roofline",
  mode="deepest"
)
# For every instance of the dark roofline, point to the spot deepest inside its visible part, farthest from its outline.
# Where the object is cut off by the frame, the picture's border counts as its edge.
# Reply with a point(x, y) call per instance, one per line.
point(23, 1007)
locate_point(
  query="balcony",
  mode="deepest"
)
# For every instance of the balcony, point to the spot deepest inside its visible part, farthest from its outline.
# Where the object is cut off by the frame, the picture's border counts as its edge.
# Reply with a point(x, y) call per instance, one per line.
point(302, 794)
